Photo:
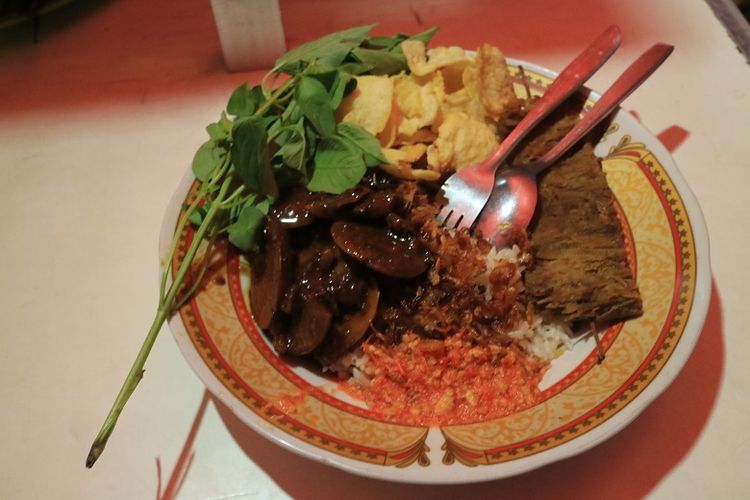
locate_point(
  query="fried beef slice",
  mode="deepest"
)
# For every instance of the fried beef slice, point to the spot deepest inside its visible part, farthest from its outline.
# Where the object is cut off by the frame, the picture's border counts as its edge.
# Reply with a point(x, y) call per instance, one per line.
point(580, 273)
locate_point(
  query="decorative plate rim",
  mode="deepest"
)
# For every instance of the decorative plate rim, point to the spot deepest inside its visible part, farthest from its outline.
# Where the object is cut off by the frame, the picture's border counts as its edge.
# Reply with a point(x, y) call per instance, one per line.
point(608, 428)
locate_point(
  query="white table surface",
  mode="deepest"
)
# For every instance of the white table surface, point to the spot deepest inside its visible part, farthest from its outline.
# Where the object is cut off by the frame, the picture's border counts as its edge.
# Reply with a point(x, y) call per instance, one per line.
point(99, 121)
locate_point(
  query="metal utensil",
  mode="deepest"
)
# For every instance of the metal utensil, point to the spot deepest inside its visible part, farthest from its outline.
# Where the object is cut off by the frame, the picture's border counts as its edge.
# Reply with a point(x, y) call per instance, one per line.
point(514, 198)
point(466, 192)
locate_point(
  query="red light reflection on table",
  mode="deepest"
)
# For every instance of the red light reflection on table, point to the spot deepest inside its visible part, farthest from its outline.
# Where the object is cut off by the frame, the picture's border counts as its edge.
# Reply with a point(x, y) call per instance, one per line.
point(127, 52)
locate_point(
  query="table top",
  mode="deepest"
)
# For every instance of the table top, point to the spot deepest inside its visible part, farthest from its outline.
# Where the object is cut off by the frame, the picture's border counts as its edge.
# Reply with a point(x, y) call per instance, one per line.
point(100, 119)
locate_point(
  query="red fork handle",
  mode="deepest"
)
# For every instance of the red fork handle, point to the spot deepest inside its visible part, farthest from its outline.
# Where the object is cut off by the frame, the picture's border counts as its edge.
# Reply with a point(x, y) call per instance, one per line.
point(630, 80)
point(568, 81)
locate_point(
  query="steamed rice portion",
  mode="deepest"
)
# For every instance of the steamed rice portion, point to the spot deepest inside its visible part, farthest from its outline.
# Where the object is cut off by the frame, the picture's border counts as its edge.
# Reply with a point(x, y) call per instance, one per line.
point(457, 379)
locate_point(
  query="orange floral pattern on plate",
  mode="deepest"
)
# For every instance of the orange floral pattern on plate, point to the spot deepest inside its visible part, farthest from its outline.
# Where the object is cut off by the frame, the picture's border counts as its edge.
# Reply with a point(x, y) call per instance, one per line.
point(308, 407)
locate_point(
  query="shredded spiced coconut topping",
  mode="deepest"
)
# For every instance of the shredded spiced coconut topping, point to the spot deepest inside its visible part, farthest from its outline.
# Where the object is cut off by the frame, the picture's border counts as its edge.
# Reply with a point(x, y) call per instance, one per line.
point(425, 381)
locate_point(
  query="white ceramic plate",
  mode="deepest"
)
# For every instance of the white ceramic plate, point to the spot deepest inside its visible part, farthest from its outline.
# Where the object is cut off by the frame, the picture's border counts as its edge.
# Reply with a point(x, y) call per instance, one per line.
point(584, 402)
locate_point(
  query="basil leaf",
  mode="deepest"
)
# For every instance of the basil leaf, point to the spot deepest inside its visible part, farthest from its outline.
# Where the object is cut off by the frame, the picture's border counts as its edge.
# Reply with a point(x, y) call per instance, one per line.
point(313, 100)
point(324, 74)
point(221, 130)
point(250, 156)
point(355, 68)
point(243, 233)
point(244, 101)
point(338, 166)
point(293, 153)
point(312, 140)
point(382, 63)
point(425, 36)
point(386, 42)
point(235, 209)
point(339, 88)
point(330, 50)
point(293, 150)
point(198, 215)
point(208, 157)
point(363, 141)
point(292, 113)
point(391, 42)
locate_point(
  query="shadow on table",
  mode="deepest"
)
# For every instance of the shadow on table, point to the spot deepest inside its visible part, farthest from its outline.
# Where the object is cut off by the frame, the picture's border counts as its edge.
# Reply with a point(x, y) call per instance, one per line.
point(629, 465)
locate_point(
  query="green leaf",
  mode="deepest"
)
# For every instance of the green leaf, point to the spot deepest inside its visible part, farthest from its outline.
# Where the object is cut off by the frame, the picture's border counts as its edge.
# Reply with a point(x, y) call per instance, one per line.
point(294, 150)
point(250, 156)
point(197, 216)
point(424, 36)
point(313, 100)
point(386, 42)
point(244, 101)
point(293, 153)
point(340, 88)
point(292, 113)
point(330, 50)
point(363, 141)
point(209, 156)
point(243, 233)
point(338, 166)
point(382, 62)
point(312, 139)
point(221, 130)
point(355, 68)
point(324, 74)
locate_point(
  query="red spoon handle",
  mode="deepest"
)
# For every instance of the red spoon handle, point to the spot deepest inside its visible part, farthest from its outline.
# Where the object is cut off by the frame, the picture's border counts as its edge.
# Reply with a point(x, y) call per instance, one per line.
point(568, 81)
point(630, 80)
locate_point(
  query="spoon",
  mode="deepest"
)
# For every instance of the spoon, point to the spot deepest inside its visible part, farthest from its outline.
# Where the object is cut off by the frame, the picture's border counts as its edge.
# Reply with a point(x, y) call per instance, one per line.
point(514, 197)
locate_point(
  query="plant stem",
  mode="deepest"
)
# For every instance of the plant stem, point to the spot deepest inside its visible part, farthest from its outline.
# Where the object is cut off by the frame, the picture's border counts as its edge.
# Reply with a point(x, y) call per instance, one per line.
point(131, 382)
point(274, 97)
point(165, 310)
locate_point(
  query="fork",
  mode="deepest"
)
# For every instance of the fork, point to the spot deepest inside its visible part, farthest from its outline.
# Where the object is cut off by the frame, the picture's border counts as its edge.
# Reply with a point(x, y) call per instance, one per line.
point(513, 201)
point(467, 191)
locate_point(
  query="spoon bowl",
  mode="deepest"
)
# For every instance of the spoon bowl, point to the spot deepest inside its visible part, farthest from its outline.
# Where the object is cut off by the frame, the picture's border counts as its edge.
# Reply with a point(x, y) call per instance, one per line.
point(512, 204)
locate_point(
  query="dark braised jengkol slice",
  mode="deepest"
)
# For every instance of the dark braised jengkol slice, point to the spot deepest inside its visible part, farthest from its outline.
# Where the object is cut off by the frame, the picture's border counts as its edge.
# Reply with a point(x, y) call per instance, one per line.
point(269, 273)
point(378, 204)
point(301, 207)
point(300, 335)
point(316, 284)
point(381, 250)
point(350, 328)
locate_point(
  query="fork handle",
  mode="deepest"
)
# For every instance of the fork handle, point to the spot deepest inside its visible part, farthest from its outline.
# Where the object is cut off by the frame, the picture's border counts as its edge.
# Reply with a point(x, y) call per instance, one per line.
point(570, 79)
point(630, 80)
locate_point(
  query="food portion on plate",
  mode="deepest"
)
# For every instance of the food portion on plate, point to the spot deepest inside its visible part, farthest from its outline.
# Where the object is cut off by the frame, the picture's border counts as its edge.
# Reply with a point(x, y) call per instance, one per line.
point(326, 177)
point(429, 325)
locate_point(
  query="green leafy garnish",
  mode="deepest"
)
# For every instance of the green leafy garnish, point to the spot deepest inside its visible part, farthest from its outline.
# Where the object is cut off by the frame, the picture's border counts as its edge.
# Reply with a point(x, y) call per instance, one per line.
point(338, 166)
point(315, 103)
point(364, 141)
point(245, 100)
point(269, 138)
point(330, 50)
point(241, 233)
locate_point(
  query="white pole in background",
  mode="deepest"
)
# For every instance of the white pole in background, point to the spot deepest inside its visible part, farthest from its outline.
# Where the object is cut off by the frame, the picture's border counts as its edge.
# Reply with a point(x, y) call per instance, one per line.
point(250, 32)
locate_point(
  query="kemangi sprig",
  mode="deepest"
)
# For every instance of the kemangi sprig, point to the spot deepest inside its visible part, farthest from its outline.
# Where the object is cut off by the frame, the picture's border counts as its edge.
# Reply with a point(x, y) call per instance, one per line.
point(270, 137)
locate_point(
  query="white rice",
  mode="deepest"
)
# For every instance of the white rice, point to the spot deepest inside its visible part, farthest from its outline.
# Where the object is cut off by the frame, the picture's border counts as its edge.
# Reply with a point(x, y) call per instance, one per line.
point(351, 364)
point(544, 340)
